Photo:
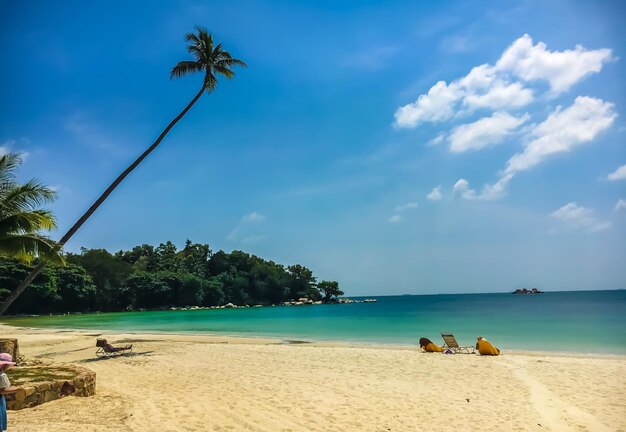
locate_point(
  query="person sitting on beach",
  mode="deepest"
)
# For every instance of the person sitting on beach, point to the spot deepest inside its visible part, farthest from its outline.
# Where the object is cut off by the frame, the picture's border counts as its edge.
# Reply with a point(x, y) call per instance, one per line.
point(429, 346)
point(6, 361)
point(485, 348)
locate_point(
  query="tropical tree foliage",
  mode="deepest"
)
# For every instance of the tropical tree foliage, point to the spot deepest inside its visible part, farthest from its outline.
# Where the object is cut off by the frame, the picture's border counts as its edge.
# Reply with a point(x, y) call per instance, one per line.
point(330, 291)
point(57, 289)
point(210, 59)
point(22, 219)
point(147, 277)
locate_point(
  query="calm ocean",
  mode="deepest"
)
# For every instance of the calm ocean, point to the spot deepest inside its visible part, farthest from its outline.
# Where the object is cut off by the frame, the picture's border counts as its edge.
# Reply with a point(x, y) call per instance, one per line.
point(583, 321)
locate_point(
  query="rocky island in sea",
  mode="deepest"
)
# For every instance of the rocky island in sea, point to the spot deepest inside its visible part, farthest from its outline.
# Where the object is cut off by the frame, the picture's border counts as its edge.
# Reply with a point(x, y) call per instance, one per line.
point(527, 291)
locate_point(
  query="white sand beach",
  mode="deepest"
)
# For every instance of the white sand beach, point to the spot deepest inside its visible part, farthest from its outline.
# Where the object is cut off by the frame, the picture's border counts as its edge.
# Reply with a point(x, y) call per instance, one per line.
point(207, 383)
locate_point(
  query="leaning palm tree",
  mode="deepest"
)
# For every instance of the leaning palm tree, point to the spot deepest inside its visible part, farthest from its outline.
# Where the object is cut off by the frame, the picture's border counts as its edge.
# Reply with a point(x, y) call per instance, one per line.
point(210, 59)
point(21, 219)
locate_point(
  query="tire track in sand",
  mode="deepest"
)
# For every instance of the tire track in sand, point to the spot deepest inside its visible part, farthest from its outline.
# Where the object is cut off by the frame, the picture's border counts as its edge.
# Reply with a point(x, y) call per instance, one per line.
point(555, 414)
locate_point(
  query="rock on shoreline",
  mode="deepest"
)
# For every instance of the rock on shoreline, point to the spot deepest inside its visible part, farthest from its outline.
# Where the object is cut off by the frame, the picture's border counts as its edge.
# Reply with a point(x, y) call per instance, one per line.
point(303, 301)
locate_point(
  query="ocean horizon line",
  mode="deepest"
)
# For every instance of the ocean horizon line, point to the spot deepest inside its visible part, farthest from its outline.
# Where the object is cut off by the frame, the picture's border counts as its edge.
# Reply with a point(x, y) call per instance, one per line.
point(480, 293)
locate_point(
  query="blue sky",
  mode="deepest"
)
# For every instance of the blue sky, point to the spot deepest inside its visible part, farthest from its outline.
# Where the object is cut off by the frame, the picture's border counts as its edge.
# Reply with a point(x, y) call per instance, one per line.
point(394, 146)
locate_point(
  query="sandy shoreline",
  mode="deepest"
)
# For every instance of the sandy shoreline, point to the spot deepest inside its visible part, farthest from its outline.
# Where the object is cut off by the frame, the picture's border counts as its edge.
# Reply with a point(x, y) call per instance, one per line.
point(177, 382)
point(218, 337)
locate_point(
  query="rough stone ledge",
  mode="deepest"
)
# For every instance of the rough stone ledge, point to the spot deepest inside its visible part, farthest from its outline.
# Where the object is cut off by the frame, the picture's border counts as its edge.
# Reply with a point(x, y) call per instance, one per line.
point(74, 381)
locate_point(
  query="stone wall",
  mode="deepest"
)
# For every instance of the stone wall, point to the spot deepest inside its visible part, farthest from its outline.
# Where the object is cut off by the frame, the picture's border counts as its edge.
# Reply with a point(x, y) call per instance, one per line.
point(10, 346)
point(81, 383)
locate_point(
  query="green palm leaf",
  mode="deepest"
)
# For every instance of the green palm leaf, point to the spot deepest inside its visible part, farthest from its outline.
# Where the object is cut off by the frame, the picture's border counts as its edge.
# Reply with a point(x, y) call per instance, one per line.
point(32, 221)
point(210, 58)
point(21, 219)
point(17, 198)
point(8, 164)
point(27, 247)
point(184, 68)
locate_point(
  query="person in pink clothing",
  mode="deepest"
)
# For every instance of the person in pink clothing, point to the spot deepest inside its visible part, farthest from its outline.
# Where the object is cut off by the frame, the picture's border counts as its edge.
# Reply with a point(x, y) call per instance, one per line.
point(6, 361)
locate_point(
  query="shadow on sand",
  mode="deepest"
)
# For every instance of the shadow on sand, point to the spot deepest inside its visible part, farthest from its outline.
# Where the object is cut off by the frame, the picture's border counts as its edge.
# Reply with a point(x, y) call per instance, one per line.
point(119, 356)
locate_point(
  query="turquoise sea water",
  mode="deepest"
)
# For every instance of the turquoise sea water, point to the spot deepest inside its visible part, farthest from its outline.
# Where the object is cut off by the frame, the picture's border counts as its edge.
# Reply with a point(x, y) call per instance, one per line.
point(583, 321)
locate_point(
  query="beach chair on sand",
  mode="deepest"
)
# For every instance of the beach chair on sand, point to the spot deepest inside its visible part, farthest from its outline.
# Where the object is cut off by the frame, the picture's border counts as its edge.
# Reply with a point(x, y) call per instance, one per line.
point(451, 344)
point(105, 349)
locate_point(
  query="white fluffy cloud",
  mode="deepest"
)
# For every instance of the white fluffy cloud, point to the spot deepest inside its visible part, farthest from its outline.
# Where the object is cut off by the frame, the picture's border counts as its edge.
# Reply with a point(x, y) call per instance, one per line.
point(620, 205)
point(484, 87)
point(479, 89)
point(394, 219)
point(435, 106)
point(564, 130)
point(561, 69)
point(618, 174)
point(504, 86)
point(500, 94)
point(488, 193)
point(479, 79)
point(435, 194)
point(484, 132)
point(461, 185)
point(561, 132)
point(462, 188)
point(577, 217)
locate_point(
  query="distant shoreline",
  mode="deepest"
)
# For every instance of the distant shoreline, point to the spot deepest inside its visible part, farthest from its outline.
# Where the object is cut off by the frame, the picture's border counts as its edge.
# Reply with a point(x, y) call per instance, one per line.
point(357, 298)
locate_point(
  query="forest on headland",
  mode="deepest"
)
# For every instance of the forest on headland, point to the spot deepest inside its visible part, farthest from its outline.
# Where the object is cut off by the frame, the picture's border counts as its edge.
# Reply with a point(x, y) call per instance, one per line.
point(148, 277)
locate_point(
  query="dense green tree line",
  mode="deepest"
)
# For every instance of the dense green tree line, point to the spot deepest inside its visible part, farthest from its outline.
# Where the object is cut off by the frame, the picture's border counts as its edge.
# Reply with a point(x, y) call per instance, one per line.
point(148, 277)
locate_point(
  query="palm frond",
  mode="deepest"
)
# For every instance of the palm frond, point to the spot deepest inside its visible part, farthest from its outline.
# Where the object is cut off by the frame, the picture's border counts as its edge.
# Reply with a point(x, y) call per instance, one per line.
point(230, 62)
point(228, 73)
point(184, 68)
point(26, 247)
point(213, 59)
point(20, 218)
point(8, 164)
point(216, 53)
point(193, 38)
point(210, 82)
point(199, 53)
point(28, 222)
point(18, 198)
point(205, 37)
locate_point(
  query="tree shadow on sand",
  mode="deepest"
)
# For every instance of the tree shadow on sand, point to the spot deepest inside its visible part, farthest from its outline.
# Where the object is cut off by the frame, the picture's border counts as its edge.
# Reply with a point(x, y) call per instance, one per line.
point(113, 357)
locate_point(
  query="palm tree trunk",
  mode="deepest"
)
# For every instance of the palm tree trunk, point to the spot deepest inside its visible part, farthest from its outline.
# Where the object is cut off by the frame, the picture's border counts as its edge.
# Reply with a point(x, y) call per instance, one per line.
point(42, 263)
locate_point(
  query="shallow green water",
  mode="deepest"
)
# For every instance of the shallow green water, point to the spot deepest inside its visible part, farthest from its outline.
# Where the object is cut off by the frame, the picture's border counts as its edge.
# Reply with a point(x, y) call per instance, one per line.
point(588, 321)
